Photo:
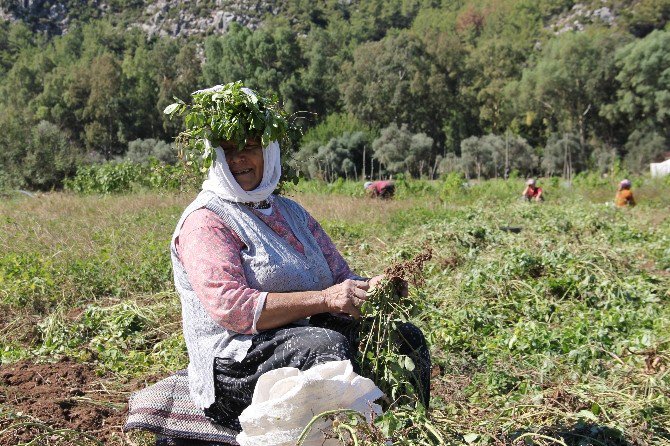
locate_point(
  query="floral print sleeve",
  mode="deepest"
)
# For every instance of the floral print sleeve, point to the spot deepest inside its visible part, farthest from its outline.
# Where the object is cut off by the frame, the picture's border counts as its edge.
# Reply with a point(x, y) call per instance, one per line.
point(210, 253)
point(338, 266)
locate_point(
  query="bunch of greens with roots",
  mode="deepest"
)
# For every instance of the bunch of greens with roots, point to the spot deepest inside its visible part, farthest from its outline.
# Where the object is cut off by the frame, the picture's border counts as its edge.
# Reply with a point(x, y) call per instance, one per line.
point(406, 421)
point(388, 307)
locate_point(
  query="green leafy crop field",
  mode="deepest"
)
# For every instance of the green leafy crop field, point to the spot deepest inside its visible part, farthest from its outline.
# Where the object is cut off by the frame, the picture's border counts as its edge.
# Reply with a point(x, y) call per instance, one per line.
point(549, 323)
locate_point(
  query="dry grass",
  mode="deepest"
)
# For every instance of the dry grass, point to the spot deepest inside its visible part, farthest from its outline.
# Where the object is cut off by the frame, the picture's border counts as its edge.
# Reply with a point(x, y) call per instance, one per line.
point(62, 222)
point(359, 210)
point(66, 220)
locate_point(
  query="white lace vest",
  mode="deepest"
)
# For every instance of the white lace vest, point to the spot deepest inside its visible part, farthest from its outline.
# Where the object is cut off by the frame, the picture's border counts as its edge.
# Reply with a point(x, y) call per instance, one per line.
point(270, 263)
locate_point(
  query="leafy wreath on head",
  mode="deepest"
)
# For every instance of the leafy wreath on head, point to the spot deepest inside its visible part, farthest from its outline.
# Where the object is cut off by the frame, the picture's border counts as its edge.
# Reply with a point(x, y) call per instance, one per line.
point(232, 112)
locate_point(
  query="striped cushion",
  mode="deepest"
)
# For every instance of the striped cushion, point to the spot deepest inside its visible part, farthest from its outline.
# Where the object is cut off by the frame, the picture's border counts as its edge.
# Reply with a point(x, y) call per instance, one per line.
point(166, 409)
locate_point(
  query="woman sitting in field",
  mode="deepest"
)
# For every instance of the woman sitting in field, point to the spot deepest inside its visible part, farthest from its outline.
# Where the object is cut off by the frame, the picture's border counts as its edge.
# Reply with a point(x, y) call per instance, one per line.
point(261, 284)
point(624, 196)
point(532, 192)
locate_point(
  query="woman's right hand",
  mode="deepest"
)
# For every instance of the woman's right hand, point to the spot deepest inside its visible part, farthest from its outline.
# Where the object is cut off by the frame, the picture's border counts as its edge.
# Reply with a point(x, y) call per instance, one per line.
point(346, 297)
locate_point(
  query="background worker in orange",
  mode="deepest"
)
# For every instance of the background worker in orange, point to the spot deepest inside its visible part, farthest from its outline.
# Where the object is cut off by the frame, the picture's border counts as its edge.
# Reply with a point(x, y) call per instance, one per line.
point(624, 196)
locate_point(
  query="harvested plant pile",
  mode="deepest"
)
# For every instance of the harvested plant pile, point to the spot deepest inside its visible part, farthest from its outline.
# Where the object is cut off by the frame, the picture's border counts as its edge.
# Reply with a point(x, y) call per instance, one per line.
point(388, 306)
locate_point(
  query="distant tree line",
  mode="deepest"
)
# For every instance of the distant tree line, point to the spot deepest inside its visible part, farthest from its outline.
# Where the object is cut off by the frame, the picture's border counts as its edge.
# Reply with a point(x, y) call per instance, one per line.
point(419, 87)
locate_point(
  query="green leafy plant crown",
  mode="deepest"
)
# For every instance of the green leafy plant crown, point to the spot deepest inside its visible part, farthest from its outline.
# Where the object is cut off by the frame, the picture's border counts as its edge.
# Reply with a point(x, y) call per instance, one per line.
point(231, 112)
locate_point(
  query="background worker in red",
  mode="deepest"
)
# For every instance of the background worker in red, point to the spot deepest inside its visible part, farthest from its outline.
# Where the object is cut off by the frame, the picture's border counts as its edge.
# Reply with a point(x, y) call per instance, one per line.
point(532, 192)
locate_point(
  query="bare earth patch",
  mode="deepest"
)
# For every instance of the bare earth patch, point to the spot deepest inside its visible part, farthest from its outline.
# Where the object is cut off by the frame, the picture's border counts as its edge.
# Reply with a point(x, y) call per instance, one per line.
point(62, 395)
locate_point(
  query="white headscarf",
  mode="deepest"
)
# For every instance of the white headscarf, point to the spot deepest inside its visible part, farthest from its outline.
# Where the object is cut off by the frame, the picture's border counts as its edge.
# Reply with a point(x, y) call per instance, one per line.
point(222, 182)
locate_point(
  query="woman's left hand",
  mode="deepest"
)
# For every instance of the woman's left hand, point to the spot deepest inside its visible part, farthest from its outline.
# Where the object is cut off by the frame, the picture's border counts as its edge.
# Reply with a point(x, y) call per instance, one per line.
point(374, 282)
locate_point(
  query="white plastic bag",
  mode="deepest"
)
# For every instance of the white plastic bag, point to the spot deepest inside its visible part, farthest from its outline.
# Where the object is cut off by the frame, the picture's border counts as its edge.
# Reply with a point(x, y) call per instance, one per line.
point(285, 400)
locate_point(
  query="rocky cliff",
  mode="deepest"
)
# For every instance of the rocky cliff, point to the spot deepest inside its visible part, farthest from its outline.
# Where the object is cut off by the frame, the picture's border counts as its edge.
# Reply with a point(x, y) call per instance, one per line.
point(158, 17)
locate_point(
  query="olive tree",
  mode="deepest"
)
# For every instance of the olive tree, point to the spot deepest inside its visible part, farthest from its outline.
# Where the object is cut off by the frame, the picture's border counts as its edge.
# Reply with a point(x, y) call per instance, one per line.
point(564, 155)
point(399, 151)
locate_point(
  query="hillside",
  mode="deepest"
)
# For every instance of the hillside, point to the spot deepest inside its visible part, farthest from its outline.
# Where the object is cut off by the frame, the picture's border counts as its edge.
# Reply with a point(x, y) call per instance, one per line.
point(177, 18)
point(485, 88)
point(162, 17)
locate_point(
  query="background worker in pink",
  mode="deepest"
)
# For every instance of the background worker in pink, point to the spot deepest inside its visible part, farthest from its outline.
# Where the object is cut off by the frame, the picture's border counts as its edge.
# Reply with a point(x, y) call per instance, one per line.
point(380, 189)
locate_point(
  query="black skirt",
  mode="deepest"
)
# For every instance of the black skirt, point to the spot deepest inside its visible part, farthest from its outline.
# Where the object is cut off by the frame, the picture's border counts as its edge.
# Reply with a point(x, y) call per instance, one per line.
point(327, 338)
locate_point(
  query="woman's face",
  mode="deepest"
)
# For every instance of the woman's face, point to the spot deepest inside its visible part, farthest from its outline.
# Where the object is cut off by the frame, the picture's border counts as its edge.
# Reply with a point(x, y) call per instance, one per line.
point(246, 165)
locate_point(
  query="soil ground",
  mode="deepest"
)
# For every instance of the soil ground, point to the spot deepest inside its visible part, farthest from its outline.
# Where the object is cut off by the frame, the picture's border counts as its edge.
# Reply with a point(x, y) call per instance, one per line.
point(62, 400)
point(55, 399)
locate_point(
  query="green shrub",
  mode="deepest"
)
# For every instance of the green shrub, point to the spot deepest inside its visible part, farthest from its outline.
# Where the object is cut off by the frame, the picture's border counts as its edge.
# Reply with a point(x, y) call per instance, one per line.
point(591, 179)
point(452, 185)
point(409, 187)
point(26, 279)
point(119, 177)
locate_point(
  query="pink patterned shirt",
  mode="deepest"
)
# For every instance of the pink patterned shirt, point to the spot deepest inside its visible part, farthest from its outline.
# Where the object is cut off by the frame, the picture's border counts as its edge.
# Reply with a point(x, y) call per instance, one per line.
point(210, 253)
